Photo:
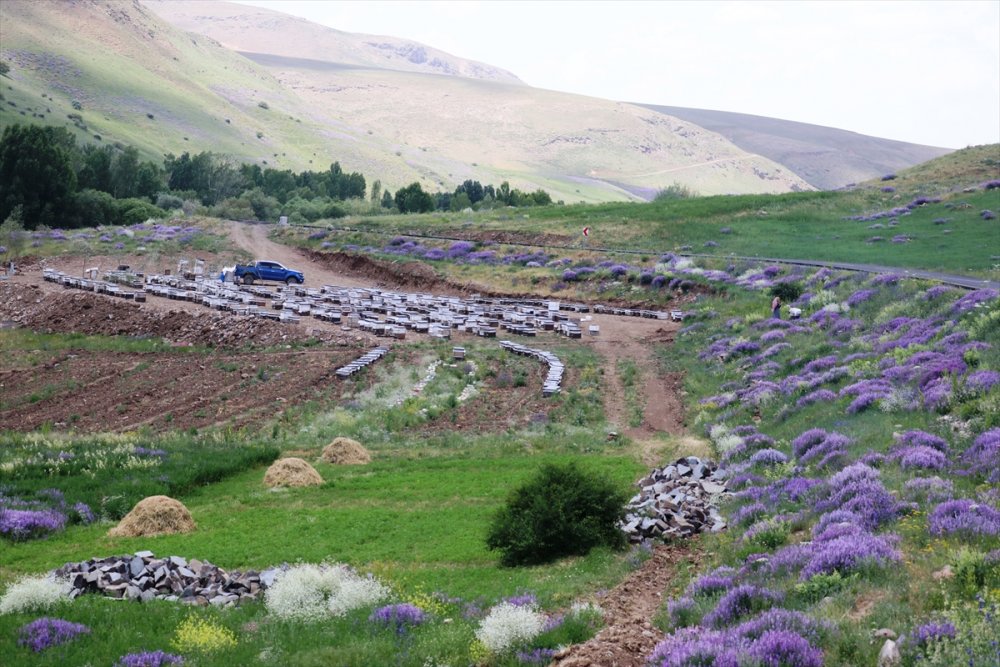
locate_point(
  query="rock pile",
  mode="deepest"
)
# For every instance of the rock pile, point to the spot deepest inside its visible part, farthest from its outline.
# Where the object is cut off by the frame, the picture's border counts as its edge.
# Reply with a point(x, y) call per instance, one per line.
point(677, 500)
point(144, 577)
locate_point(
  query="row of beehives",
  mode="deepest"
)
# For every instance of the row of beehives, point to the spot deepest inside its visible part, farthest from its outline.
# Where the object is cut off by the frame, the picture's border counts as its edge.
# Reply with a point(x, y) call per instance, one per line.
point(91, 285)
point(675, 315)
point(383, 313)
point(362, 362)
point(553, 380)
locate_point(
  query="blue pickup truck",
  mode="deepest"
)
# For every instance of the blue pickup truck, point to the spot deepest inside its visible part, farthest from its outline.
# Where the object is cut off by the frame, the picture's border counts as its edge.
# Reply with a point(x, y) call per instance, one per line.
point(264, 270)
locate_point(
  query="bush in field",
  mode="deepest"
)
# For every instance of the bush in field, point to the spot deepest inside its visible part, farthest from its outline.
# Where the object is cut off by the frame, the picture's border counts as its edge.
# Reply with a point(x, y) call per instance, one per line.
point(787, 292)
point(563, 511)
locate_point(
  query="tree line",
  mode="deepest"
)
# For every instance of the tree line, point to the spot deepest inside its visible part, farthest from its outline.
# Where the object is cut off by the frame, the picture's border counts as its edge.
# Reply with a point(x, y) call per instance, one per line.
point(46, 178)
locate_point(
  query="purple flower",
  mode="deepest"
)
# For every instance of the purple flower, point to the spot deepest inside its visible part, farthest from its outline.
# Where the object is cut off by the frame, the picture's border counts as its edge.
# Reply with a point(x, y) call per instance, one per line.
point(849, 552)
point(522, 600)
point(83, 511)
point(747, 514)
point(739, 603)
point(973, 299)
point(768, 457)
point(718, 580)
point(920, 456)
point(964, 517)
point(982, 381)
point(47, 632)
point(987, 214)
point(538, 656)
point(398, 617)
point(781, 619)
point(983, 458)
point(780, 648)
point(30, 524)
point(820, 395)
point(149, 659)
point(923, 635)
point(697, 647)
point(860, 297)
point(923, 438)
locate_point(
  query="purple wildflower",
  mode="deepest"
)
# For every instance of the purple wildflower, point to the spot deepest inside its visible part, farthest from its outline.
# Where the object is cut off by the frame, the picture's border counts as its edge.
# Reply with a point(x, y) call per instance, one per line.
point(149, 659)
point(924, 634)
point(30, 524)
point(47, 632)
point(920, 456)
point(538, 656)
point(747, 514)
point(982, 381)
point(768, 457)
point(739, 603)
point(849, 552)
point(964, 517)
point(781, 619)
point(983, 458)
point(860, 297)
point(398, 617)
point(718, 580)
point(522, 600)
point(818, 396)
point(694, 647)
point(778, 648)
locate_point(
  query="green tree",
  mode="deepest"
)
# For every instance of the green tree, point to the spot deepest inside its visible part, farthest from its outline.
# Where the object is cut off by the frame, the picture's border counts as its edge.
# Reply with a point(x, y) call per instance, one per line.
point(36, 174)
point(387, 200)
point(460, 202)
point(413, 199)
point(124, 173)
point(12, 234)
point(376, 192)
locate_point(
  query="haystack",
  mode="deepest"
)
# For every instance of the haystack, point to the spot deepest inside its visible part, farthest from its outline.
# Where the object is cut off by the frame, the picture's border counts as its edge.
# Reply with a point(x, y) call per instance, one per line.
point(155, 515)
point(291, 472)
point(344, 451)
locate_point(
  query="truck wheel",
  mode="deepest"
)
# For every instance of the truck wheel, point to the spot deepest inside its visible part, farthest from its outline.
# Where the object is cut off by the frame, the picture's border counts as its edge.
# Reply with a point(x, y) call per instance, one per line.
point(248, 279)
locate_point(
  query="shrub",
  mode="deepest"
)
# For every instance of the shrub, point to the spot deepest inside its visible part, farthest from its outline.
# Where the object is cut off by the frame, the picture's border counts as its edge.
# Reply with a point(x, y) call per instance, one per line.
point(200, 635)
point(787, 292)
point(311, 593)
point(563, 511)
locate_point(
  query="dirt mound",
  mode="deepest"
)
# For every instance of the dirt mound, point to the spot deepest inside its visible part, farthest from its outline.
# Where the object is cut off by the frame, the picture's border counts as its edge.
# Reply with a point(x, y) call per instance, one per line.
point(394, 275)
point(344, 451)
point(291, 472)
point(155, 515)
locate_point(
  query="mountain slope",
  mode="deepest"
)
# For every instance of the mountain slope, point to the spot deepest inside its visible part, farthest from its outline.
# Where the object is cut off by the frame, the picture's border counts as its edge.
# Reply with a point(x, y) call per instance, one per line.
point(245, 28)
point(141, 81)
point(825, 157)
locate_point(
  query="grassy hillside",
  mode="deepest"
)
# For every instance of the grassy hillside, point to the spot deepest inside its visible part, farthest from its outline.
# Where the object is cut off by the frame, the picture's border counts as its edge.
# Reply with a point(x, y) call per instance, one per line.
point(931, 218)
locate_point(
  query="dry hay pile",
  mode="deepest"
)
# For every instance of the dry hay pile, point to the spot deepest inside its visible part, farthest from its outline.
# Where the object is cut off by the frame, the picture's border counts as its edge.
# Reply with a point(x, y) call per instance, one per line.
point(291, 472)
point(344, 451)
point(155, 515)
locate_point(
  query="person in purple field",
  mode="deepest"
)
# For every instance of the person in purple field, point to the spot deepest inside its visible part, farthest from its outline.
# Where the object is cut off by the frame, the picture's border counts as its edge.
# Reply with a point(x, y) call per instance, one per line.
point(776, 307)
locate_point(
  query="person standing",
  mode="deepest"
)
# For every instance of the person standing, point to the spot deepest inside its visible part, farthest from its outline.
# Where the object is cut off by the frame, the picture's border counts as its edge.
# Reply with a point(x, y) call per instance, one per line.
point(776, 307)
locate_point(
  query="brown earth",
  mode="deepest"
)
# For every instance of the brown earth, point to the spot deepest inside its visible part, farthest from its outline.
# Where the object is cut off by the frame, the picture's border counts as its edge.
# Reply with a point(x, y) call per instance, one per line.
point(629, 635)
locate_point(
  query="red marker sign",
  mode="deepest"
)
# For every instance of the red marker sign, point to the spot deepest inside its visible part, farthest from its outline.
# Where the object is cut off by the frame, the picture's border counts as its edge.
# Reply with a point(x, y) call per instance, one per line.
point(586, 231)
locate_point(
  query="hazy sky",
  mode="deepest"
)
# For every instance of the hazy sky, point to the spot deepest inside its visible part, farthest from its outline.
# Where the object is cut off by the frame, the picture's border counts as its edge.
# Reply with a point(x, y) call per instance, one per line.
point(924, 72)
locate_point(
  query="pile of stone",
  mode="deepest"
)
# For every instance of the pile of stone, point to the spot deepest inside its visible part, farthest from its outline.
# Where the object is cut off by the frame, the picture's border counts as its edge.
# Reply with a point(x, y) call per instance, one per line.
point(144, 577)
point(677, 500)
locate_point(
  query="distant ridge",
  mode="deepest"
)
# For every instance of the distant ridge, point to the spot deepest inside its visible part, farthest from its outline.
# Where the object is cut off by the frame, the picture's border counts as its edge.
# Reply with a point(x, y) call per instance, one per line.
point(825, 157)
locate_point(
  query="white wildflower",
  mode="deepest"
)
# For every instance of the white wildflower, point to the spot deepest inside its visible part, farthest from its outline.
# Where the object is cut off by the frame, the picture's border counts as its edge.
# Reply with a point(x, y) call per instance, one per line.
point(33, 594)
point(310, 592)
point(508, 626)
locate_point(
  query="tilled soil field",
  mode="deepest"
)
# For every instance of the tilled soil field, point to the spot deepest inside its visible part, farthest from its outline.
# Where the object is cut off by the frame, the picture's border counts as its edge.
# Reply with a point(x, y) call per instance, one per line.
point(117, 391)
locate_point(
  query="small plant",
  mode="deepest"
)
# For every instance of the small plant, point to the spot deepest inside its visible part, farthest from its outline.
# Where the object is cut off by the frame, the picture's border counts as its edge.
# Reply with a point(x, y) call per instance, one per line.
point(46, 632)
point(202, 635)
point(263, 105)
point(32, 594)
point(563, 511)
